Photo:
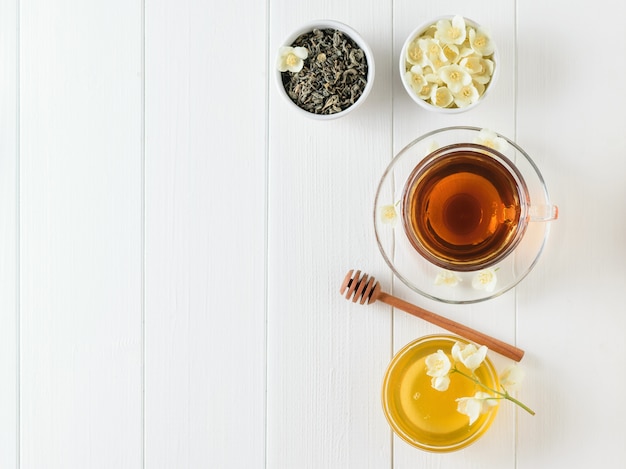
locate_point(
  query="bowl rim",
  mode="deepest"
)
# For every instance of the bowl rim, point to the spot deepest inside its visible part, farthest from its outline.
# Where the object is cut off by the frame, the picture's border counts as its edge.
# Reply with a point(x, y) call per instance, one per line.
point(356, 37)
point(431, 107)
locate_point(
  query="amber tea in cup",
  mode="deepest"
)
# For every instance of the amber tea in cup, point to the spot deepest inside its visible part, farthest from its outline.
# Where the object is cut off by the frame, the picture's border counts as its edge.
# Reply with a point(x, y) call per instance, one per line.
point(465, 207)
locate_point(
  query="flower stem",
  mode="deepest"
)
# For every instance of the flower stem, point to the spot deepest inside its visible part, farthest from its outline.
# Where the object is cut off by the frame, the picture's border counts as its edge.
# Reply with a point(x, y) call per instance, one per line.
point(503, 395)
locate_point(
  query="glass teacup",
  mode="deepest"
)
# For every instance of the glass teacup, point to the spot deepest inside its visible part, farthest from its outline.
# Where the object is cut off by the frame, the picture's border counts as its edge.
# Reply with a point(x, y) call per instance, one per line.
point(466, 207)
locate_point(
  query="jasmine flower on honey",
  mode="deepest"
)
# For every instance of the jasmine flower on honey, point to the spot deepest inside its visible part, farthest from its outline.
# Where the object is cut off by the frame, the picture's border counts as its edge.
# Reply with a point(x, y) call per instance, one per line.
point(474, 406)
point(468, 354)
point(440, 368)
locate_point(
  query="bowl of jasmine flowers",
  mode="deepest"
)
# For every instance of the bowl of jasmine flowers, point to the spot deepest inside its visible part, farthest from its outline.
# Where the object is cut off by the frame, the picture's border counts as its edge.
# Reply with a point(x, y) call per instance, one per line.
point(449, 64)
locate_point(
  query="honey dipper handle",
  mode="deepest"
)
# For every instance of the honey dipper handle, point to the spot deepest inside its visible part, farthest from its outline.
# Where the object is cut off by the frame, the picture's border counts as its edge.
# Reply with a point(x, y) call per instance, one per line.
point(492, 343)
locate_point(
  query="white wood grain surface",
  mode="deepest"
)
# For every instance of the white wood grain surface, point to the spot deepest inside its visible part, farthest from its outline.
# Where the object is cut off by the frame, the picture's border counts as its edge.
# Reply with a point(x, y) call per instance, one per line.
point(80, 231)
point(572, 305)
point(9, 268)
point(205, 231)
point(325, 357)
point(173, 238)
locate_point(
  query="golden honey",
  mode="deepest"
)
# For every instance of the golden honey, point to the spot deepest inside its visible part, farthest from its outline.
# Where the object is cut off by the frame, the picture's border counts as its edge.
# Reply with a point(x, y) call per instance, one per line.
point(421, 415)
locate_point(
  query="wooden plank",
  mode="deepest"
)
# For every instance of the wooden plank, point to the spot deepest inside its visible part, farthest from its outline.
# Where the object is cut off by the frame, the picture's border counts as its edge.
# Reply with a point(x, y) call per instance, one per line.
point(205, 234)
point(495, 317)
point(81, 234)
point(326, 357)
point(9, 320)
point(571, 306)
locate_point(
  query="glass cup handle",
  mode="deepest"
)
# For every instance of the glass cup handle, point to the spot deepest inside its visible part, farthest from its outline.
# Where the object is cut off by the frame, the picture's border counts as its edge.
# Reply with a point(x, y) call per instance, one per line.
point(543, 212)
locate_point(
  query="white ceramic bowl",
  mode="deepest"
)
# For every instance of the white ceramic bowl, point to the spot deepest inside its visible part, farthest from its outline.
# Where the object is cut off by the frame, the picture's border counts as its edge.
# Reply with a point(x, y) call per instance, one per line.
point(426, 104)
point(352, 34)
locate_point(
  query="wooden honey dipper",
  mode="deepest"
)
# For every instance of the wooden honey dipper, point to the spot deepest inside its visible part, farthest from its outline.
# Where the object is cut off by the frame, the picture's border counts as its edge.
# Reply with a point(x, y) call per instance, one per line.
point(365, 289)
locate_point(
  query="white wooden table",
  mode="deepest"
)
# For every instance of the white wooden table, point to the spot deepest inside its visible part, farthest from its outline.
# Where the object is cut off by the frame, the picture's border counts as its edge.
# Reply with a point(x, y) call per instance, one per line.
point(173, 238)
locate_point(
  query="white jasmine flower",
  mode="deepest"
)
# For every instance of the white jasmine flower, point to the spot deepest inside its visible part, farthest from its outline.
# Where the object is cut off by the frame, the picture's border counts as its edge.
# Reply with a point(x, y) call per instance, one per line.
point(455, 76)
point(447, 278)
point(479, 87)
point(466, 95)
point(441, 96)
point(291, 58)
point(431, 146)
point(388, 214)
point(415, 54)
point(430, 31)
point(466, 51)
point(431, 76)
point(440, 383)
point(480, 41)
point(415, 78)
point(433, 51)
point(475, 406)
point(451, 52)
point(437, 64)
point(432, 82)
point(485, 280)
point(512, 377)
point(437, 367)
point(480, 69)
point(451, 32)
point(490, 139)
point(469, 355)
point(427, 90)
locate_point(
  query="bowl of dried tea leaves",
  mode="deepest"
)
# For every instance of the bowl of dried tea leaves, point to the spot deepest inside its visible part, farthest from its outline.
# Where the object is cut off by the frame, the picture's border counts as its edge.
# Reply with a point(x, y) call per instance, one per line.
point(324, 69)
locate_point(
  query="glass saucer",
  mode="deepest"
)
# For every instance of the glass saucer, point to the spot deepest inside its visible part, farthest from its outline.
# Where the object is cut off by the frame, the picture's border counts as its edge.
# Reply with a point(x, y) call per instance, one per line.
point(421, 275)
